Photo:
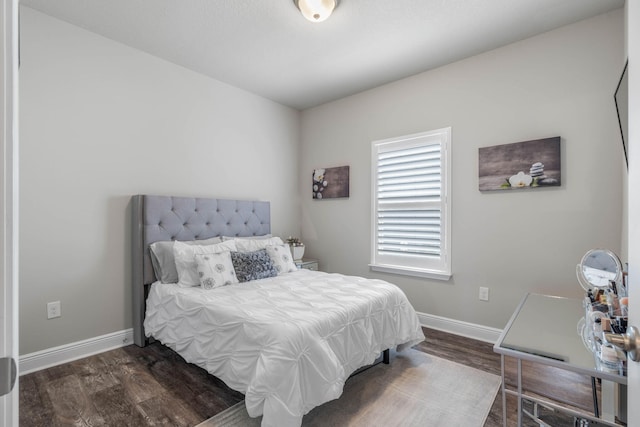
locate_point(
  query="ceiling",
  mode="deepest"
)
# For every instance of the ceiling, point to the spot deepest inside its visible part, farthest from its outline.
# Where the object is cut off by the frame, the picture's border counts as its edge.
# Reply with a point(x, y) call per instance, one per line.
point(266, 47)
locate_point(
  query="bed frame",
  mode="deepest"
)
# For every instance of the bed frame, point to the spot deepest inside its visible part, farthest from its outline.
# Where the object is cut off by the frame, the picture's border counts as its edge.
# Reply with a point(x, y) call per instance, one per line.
point(164, 218)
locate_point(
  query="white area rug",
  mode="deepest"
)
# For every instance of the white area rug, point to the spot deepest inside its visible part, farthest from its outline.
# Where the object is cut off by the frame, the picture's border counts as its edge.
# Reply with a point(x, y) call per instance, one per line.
point(416, 389)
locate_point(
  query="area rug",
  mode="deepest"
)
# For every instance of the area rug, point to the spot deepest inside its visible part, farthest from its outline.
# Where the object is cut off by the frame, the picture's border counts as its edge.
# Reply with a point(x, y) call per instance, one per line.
point(416, 389)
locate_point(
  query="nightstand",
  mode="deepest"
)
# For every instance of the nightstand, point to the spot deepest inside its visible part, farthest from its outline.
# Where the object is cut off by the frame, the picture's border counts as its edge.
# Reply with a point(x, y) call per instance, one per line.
point(307, 263)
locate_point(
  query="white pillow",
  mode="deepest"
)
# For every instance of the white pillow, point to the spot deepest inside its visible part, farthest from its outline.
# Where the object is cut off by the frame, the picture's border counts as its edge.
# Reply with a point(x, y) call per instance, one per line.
point(252, 245)
point(186, 263)
point(163, 261)
point(215, 270)
point(281, 257)
point(264, 236)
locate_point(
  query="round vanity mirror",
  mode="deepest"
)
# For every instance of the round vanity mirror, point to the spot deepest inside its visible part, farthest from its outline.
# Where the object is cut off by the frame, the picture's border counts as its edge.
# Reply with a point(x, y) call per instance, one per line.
point(598, 268)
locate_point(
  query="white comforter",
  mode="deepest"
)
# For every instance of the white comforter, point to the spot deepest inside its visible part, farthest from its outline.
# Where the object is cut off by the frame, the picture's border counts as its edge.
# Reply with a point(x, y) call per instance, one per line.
point(289, 342)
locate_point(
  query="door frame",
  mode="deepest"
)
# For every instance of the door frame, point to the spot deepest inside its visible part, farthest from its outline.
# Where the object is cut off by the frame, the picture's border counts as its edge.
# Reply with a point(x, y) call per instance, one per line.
point(633, 198)
point(9, 196)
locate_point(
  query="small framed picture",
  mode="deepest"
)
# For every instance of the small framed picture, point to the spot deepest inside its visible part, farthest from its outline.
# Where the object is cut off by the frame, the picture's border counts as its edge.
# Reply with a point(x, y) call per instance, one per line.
point(330, 183)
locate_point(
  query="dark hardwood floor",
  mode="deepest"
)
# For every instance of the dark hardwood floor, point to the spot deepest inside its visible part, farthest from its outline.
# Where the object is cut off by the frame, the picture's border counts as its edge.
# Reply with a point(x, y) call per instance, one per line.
point(153, 386)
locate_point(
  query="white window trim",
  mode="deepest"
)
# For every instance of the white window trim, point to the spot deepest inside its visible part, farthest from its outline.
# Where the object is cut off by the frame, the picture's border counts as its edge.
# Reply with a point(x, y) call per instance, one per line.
point(443, 272)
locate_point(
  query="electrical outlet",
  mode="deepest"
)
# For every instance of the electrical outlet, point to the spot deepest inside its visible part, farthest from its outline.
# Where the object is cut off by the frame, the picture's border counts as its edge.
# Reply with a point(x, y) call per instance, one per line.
point(53, 310)
point(483, 294)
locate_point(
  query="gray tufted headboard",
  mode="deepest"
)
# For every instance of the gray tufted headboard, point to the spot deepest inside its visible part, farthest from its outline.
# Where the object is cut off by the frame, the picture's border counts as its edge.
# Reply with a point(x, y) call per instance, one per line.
point(163, 218)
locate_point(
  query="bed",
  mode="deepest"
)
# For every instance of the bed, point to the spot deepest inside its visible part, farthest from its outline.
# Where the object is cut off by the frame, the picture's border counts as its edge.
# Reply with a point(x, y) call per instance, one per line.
point(287, 342)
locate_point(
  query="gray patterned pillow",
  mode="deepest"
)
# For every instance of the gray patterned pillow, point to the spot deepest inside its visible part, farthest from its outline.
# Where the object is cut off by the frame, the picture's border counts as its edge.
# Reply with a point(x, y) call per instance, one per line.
point(253, 265)
point(186, 263)
point(215, 270)
point(281, 257)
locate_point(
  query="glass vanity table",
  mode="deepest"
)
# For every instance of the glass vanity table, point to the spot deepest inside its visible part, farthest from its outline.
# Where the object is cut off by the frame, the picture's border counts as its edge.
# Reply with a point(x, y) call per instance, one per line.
point(543, 330)
point(551, 331)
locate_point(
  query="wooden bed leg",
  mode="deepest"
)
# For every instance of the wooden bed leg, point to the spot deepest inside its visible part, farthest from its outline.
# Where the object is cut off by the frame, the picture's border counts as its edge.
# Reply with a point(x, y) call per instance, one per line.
point(385, 357)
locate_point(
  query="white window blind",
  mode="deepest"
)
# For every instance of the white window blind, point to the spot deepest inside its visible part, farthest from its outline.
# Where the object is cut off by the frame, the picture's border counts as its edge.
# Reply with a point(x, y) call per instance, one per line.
point(410, 204)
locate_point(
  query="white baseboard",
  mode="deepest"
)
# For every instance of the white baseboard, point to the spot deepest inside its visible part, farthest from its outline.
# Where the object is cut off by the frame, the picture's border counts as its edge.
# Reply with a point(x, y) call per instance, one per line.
point(457, 327)
point(69, 352)
point(66, 353)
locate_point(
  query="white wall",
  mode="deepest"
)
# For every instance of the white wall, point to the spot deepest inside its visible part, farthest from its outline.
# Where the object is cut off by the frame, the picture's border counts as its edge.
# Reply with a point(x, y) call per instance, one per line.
point(100, 122)
point(559, 83)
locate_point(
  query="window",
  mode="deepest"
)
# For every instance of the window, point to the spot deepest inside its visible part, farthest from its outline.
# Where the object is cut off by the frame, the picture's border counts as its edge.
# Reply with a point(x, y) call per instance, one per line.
point(411, 205)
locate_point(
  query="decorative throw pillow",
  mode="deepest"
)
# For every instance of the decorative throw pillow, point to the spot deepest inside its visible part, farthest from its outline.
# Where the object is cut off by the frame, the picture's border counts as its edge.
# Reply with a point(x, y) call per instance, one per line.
point(186, 261)
point(251, 245)
point(163, 261)
point(253, 265)
point(281, 257)
point(215, 270)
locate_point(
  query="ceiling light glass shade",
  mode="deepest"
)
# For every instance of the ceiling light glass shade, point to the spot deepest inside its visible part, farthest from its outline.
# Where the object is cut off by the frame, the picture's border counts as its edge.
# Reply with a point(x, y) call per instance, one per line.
point(316, 10)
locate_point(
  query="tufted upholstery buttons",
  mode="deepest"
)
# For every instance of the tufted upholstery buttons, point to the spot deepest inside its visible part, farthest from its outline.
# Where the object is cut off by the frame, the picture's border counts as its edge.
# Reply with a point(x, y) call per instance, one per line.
point(173, 218)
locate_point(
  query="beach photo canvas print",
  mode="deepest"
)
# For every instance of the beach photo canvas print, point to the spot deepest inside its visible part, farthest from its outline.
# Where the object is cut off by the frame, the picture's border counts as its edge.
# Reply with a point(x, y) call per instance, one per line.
point(520, 165)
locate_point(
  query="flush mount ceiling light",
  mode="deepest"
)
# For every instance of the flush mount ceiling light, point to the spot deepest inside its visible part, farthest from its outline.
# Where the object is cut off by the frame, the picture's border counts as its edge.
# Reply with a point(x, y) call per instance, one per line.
point(316, 10)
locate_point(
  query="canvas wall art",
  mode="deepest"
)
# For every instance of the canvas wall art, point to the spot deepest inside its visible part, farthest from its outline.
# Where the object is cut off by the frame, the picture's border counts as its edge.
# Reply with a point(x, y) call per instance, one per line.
point(520, 165)
point(331, 183)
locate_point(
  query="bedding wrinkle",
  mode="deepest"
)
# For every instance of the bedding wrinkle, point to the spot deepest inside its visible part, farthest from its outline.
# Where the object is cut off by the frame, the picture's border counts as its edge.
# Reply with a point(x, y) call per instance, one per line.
point(288, 342)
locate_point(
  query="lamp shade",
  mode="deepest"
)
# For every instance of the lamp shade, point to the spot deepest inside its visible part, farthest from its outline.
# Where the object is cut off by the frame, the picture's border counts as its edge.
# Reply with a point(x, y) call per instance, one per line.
point(316, 10)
